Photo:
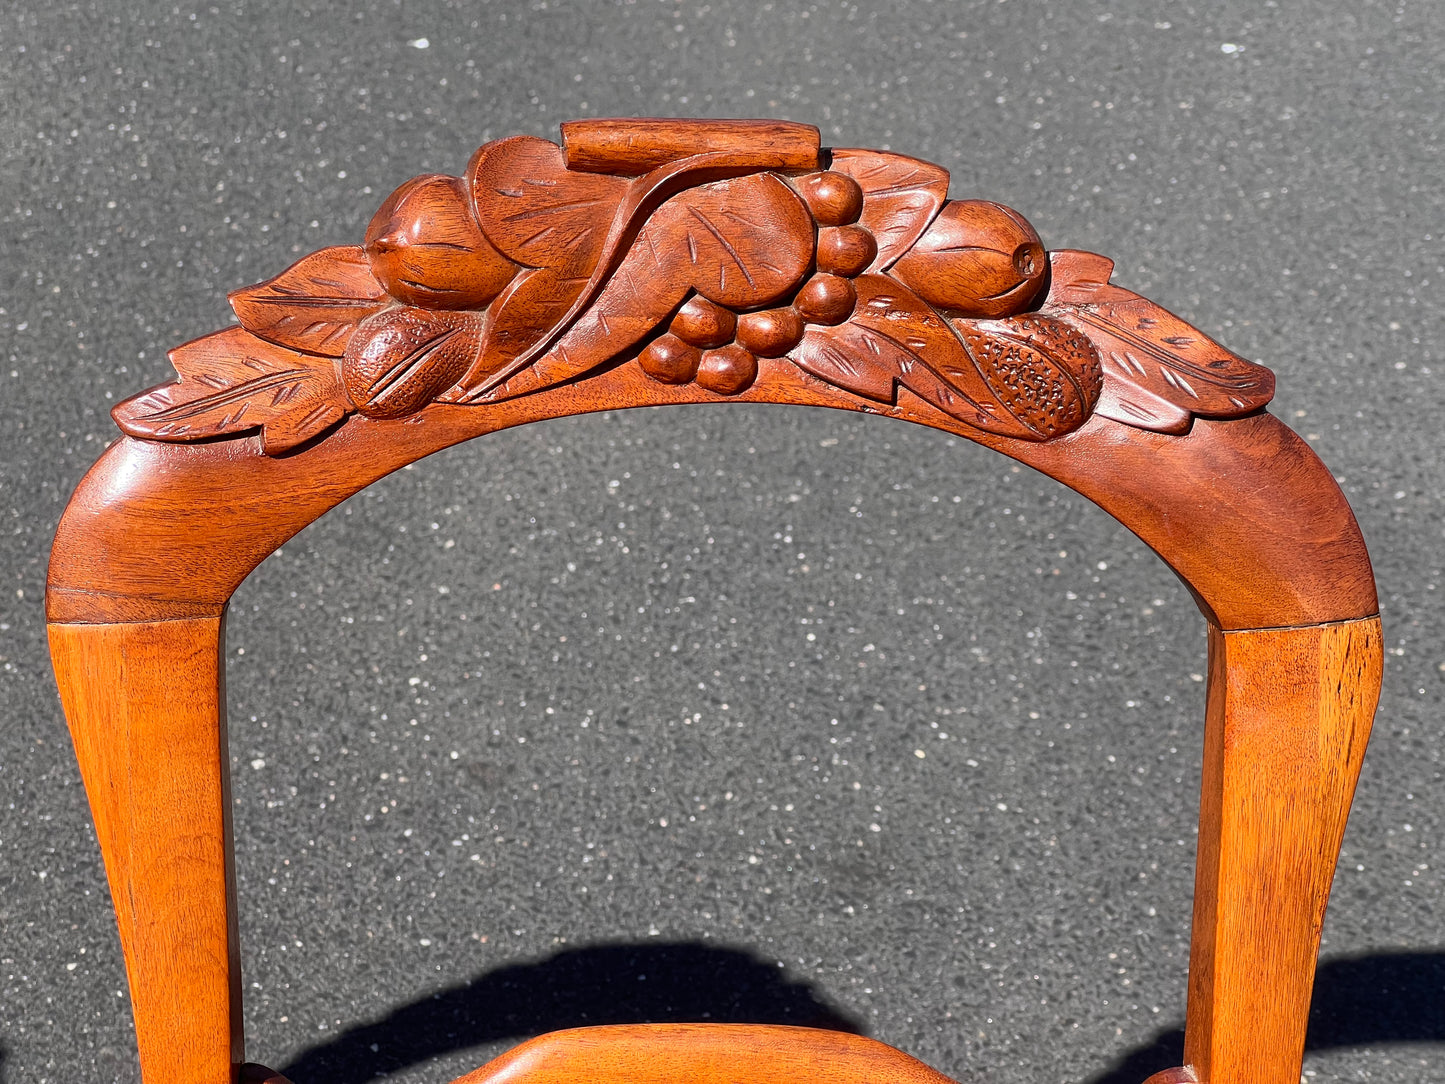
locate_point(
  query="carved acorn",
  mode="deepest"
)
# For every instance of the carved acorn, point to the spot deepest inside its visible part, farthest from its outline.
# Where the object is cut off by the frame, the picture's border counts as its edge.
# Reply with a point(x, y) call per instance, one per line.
point(400, 359)
point(426, 247)
point(977, 259)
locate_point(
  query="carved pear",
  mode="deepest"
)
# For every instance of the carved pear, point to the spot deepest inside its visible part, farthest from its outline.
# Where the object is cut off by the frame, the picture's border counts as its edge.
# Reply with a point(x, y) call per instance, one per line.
point(427, 249)
point(977, 259)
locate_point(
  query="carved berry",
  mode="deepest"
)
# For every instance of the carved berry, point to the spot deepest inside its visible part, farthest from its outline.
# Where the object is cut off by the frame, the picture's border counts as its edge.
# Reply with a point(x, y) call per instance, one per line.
point(400, 359)
point(834, 198)
point(727, 370)
point(826, 299)
point(845, 250)
point(427, 249)
point(977, 259)
point(669, 360)
point(704, 324)
point(770, 333)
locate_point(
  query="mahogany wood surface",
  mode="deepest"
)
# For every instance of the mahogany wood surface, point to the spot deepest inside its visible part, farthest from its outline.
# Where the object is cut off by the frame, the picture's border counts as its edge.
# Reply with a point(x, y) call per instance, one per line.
point(704, 1054)
point(146, 704)
point(684, 262)
point(1288, 718)
point(1243, 511)
point(609, 145)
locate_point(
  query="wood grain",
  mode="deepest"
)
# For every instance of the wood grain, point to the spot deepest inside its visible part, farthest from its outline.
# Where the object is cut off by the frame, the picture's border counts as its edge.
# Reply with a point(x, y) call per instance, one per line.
point(1243, 511)
point(1288, 718)
point(703, 1054)
point(146, 707)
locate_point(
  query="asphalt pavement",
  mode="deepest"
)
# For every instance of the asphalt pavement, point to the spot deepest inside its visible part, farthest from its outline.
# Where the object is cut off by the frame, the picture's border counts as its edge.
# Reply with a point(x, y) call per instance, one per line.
point(745, 714)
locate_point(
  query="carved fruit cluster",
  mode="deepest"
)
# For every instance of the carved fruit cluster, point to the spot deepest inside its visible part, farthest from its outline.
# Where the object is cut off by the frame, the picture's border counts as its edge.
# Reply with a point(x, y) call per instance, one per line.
point(703, 247)
point(719, 349)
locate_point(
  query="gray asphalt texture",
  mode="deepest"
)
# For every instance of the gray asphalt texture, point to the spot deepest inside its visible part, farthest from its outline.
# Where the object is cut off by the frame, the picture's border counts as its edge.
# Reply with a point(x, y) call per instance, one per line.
point(743, 714)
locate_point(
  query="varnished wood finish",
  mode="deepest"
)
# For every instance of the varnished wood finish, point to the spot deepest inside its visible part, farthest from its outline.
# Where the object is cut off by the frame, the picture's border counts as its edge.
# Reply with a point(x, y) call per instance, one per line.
point(1288, 719)
point(146, 704)
point(680, 262)
point(703, 1054)
point(1243, 511)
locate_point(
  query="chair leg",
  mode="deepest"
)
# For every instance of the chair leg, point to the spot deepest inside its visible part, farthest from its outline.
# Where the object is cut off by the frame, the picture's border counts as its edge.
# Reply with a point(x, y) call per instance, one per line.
point(1289, 713)
point(146, 708)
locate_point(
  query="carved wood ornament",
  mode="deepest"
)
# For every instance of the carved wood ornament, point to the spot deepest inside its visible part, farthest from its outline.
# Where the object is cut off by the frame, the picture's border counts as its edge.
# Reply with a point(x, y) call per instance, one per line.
point(693, 251)
point(660, 261)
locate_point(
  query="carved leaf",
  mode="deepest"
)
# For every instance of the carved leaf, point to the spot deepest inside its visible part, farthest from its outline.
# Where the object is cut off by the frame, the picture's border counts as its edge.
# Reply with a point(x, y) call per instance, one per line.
point(894, 338)
point(536, 210)
point(230, 382)
point(1077, 277)
point(741, 243)
point(901, 195)
point(315, 304)
point(1158, 370)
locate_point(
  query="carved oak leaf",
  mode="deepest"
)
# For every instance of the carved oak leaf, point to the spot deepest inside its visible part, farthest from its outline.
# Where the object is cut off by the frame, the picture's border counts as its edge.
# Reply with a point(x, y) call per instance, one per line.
point(1159, 372)
point(231, 381)
point(895, 338)
point(741, 243)
point(315, 304)
point(901, 196)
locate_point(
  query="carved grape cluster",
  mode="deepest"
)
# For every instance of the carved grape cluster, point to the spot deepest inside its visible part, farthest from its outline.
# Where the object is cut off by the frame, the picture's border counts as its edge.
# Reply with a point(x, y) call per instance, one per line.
point(719, 349)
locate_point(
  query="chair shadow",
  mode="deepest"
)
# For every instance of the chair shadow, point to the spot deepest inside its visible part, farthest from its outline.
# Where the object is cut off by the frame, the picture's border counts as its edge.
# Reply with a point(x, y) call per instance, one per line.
point(668, 982)
point(1366, 1000)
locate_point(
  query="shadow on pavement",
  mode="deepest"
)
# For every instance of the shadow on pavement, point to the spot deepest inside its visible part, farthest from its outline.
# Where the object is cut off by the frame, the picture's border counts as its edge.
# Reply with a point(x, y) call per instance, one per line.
point(1383, 997)
point(1368, 1000)
point(674, 982)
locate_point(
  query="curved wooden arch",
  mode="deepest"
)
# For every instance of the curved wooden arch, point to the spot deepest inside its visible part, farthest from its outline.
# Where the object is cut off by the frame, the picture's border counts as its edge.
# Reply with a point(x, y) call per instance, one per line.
point(173, 517)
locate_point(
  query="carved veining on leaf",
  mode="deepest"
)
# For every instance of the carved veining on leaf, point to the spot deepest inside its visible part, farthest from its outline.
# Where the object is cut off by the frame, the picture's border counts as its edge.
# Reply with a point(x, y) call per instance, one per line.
point(739, 243)
point(691, 252)
point(315, 304)
point(1159, 371)
point(537, 211)
point(232, 382)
